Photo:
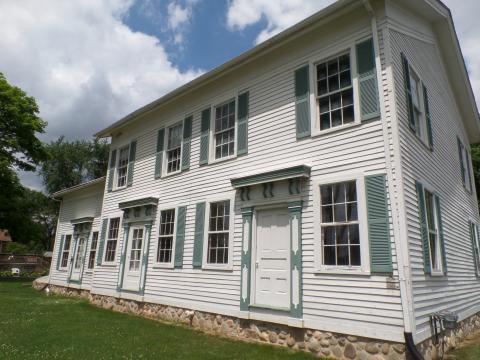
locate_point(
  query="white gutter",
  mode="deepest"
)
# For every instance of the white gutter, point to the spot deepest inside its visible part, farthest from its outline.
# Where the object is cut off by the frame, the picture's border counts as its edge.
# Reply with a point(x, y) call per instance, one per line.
point(84, 185)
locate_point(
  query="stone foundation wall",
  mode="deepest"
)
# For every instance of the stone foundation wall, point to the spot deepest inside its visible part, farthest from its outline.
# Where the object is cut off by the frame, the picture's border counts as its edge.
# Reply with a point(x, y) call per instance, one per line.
point(450, 339)
point(320, 343)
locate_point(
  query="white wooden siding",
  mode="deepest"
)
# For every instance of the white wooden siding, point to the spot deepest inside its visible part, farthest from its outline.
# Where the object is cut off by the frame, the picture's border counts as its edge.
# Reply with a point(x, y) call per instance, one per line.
point(460, 290)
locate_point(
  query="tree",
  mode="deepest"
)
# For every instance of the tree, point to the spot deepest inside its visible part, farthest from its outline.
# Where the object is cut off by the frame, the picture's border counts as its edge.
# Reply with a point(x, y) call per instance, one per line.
point(476, 166)
point(71, 163)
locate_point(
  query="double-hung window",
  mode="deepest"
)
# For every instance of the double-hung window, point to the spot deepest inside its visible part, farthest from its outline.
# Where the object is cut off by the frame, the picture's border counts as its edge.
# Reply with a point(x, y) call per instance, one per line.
point(112, 240)
point(339, 225)
point(66, 251)
point(224, 130)
point(433, 232)
point(166, 236)
point(218, 241)
point(122, 167)
point(476, 245)
point(334, 92)
point(465, 165)
point(93, 250)
point(174, 148)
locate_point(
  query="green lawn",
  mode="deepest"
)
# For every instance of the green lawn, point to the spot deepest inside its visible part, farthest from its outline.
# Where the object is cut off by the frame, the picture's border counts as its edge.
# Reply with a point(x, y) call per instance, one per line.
point(36, 326)
point(469, 349)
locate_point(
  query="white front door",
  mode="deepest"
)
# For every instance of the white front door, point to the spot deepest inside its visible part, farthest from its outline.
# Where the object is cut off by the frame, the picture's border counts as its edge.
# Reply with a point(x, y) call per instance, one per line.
point(133, 258)
point(79, 255)
point(272, 259)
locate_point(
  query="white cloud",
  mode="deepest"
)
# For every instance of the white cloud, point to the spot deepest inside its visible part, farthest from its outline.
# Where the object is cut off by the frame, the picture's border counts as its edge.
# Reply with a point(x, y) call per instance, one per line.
point(282, 14)
point(279, 14)
point(84, 66)
point(179, 18)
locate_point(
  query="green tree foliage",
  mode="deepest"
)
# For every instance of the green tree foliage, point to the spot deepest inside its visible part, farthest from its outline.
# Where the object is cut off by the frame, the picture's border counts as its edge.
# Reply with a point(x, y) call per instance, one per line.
point(73, 162)
point(17, 248)
point(476, 166)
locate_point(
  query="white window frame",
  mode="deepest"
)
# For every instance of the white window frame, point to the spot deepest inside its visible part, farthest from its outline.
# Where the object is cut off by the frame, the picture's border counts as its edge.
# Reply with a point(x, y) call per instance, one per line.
point(229, 264)
point(231, 96)
point(120, 236)
point(439, 271)
point(117, 162)
point(89, 250)
point(466, 158)
point(165, 150)
point(364, 268)
point(422, 125)
point(170, 264)
point(334, 52)
point(476, 234)
point(60, 267)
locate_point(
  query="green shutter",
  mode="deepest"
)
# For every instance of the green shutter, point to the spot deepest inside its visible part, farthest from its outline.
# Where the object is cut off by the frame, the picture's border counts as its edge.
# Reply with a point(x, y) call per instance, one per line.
point(302, 102)
point(242, 133)
point(187, 139)
point(428, 117)
point(159, 155)
point(296, 288)
point(378, 225)
point(198, 239)
point(471, 227)
point(111, 170)
point(180, 237)
point(460, 157)
point(423, 228)
point(408, 92)
point(440, 235)
point(204, 136)
point(367, 80)
point(101, 242)
point(59, 255)
point(131, 162)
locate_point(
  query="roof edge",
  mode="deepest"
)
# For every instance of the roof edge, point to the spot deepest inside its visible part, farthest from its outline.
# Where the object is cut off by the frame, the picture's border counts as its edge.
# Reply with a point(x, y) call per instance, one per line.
point(60, 193)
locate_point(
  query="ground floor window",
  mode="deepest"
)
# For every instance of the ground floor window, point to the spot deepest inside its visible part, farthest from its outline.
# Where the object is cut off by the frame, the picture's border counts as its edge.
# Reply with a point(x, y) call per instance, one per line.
point(431, 212)
point(93, 250)
point(66, 251)
point(111, 246)
point(218, 232)
point(165, 238)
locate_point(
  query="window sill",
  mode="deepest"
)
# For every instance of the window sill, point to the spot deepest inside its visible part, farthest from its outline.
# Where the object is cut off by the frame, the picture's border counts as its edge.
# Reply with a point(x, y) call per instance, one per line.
point(340, 271)
point(108, 264)
point(437, 274)
point(163, 266)
point(215, 161)
point(119, 188)
point(164, 176)
point(228, 267)
point(317, 132)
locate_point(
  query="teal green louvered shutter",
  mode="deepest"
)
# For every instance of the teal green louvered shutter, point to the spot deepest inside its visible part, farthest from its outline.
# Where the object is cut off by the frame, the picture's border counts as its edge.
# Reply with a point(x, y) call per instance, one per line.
point(111, 170)
point(199, 232)
point(59, 254)
point(204, 136)
point(187, 140)
point(131, 162)
point(101, 243)
point(242, 133)
point(460, 158)
point(159, 155)
point(408, 92)
point(428, 117)
point(180, 236)
point(473, 235)
point(367, 80)
point(378, 225)
point(423, 229)
point(302, 102)
point(440, 234)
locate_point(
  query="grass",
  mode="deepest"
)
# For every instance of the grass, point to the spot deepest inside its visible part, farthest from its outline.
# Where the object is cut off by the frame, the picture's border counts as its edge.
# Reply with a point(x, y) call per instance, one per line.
point(36, 326)
point(469, 349)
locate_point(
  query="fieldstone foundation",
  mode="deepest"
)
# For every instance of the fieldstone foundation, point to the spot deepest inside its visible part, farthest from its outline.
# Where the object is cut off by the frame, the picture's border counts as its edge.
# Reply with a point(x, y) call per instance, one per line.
point(320, 343)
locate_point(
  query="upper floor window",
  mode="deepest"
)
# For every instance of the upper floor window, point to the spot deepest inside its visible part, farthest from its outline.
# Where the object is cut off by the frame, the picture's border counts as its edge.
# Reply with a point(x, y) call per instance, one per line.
point(174, 148)
point(166, 236)
point(340, 235)
point(93, 250)
point(66, 251)
point(335, 92)
point(419, 119)
point(224, 130)
point(122, 167)
point(431, 212)
point(465, 168)
point(218, 233)
point(112, 239)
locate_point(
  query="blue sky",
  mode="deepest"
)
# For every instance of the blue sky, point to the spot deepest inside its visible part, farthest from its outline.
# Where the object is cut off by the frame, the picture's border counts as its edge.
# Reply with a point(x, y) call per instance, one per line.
point(89, 63)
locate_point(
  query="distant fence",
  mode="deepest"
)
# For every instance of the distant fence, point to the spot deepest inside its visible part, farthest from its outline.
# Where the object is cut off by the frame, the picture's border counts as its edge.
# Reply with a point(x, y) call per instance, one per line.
point(26, 263)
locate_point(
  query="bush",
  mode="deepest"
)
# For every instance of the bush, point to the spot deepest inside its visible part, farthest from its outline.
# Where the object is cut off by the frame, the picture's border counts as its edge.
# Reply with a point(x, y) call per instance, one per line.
point(28, 274)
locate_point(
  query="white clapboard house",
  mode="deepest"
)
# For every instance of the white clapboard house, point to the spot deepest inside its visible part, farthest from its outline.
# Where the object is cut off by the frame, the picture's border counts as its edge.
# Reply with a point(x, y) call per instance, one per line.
point(321, 180)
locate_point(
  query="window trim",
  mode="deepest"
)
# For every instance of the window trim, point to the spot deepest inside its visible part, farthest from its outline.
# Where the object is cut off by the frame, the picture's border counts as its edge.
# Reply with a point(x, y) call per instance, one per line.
point(433, 272)
point(89, 250)
point(364, 268)
point(171, 264)
point(476, 257)
point(231, 96)
point(120, 236)
point(165, 148)
point(336, 51)
point(228, 266)
point(117, 161)
point(468, 184)
point(60, 267)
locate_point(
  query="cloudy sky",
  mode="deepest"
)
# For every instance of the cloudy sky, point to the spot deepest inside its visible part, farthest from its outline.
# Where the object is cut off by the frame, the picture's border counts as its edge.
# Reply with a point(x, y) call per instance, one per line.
point(90, 62)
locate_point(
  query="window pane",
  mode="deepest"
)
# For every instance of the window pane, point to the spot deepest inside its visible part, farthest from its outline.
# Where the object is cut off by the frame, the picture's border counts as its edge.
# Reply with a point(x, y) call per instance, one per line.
point(342, 255)
point(327, 214)
point(321, 71)
point(329, 257)
point(342, 235)
point(325, 121)
point(326, 193)
point(329, 235)
point(355, 255)
point(353, 236)
point(333, 67)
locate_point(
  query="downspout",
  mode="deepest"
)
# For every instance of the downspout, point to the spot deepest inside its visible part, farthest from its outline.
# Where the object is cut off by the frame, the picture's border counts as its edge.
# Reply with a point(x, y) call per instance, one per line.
point(407, 318)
